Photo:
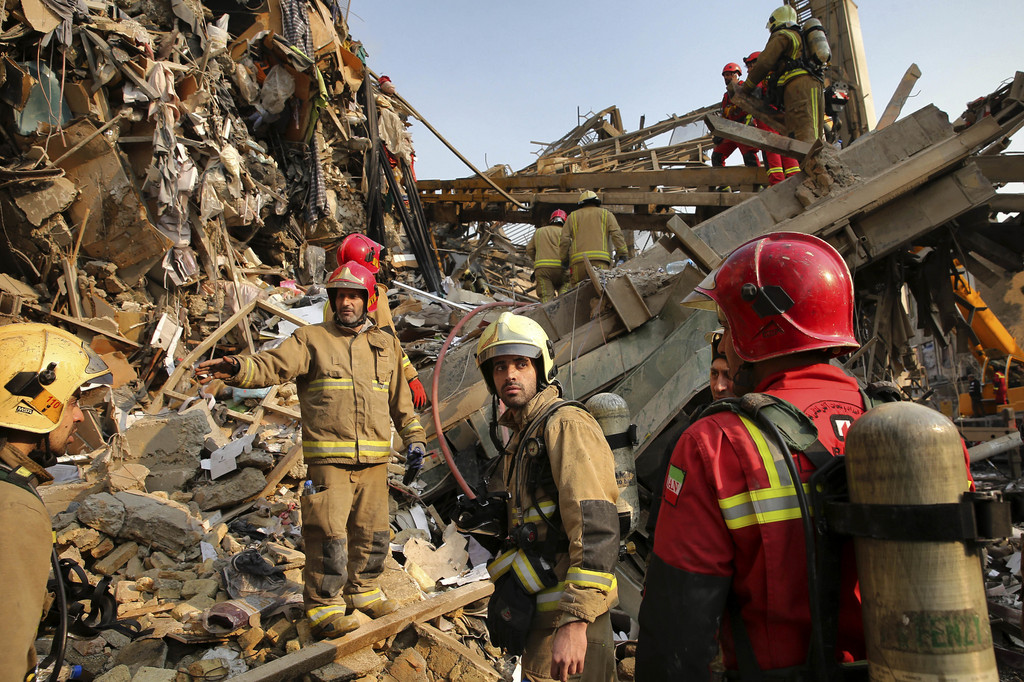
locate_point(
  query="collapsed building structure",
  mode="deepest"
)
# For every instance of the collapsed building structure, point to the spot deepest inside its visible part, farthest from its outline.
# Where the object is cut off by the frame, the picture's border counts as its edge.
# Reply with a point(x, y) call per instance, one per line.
point(176, 176)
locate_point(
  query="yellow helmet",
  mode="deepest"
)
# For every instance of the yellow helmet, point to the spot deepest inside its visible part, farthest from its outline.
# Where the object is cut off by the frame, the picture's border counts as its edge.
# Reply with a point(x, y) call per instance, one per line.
point(782, 17)
point(513, 334)
point(44, 367)
point(588, 195)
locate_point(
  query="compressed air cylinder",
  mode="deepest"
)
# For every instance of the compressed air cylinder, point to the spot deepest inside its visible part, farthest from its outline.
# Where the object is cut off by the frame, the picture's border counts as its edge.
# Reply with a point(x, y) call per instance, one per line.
point(612, 413)
point(817, 41)
point(925, 614)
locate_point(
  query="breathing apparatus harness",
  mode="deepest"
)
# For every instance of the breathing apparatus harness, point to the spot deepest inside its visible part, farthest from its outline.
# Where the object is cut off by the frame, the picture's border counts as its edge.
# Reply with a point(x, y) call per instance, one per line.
point(829, 519)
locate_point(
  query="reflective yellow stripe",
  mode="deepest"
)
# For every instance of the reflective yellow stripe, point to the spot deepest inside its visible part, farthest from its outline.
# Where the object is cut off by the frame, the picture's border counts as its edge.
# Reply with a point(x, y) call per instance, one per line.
point(792, 170)
point(596, 579)
point(548, 600)
point(380, 385)
point(318, 614)
point(410, 427)
point(774, 169)
point(500, 566)
point(363, 599)
point(769, 456)
point(547, 508)
point(761, 506)
point(602, 256)
point(344, 448)
point(405, 361)
point(547, 263)
point(329, 384)
point(246, 370)
point(528, 577)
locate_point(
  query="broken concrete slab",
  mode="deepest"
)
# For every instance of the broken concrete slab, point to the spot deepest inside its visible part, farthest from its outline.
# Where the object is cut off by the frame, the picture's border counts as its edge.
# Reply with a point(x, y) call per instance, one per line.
point(230, 490)
point(170, 445)
point(104, 512)
point(159, 523)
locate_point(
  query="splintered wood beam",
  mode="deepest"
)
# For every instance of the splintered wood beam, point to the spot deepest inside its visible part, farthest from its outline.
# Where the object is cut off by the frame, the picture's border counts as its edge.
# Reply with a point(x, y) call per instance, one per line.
point(320, 654)
point(899, 98)
point(755, 137)
point(693, 245)
point(758, 109)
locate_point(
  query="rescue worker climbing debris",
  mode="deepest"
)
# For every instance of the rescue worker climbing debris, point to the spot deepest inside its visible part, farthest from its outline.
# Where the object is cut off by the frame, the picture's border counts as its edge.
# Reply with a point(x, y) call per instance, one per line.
point(590, 231)
point(368, 253)
point(779, 167)
point(730, 530)
point(724, 148)
point(555, 584)
point(43, 373)
point(547, 263)
point(349, 377)
point(791, 86)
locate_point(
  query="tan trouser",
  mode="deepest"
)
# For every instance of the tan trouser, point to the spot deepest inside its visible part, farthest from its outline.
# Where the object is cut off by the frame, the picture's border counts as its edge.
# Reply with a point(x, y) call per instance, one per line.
point(598, 664)
point(579, 270)
point(345, 531)
point(549, 282)
point(25, 545)
point(804, 109)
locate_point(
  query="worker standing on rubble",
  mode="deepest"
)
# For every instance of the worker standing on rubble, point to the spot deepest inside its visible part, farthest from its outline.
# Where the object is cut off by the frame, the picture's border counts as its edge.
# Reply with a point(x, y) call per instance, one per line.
point(791, 86)
point(974, 389)
point(779, 167)
point(363, 250)
point(723, 148)
point(999, 387)
point(349, 377)
point(555, 584)
point(590, 231)
point(547, 263)
point(786, 304)
point(43, 372)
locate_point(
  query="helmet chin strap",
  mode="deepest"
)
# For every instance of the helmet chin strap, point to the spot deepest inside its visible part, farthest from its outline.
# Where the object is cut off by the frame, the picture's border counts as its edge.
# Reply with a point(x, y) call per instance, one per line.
point(357, 323)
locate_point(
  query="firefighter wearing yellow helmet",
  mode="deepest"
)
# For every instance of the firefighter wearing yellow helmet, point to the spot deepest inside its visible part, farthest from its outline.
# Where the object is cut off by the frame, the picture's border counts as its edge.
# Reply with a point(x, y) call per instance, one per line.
point(593, 232)
point(790, 85)
point(555, 582)
point(44, 368)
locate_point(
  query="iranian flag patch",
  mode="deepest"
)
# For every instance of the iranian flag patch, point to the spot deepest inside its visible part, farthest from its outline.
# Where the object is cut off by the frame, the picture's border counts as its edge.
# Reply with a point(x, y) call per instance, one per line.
point(673, 484)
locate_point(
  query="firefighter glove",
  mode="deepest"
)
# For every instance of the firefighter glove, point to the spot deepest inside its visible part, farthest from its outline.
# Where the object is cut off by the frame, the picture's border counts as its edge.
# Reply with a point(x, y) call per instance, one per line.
point(413, 462)
point(419, 395)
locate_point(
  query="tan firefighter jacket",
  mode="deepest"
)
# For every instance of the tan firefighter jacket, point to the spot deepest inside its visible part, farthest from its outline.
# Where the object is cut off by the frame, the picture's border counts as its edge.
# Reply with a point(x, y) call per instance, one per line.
point(591, 231)
point(543, 247)
point(576, 489)
point(350, 387)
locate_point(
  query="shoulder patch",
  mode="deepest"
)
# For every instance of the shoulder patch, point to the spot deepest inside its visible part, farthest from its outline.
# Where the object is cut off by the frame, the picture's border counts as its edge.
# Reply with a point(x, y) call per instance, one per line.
point(673, 484)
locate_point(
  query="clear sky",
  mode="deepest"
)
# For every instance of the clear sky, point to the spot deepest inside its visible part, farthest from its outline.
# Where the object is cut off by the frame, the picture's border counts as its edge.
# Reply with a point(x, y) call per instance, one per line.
point(494, 76)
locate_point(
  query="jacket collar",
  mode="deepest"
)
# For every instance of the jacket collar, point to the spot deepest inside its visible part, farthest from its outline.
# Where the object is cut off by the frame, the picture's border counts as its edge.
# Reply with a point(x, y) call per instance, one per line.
point(13, 458)
point(518, 419)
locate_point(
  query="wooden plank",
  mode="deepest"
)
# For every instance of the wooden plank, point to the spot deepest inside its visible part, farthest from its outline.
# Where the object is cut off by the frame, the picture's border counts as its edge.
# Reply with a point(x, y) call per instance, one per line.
point(83, 325)
point(282, 313)
point(697, 176)
point(755, 137)
point(693, 245)
point(257, 414)
point(899, 97)
point(314, 656)
point(198, 352)
point(757, 108)
point(71, 284)
point(627, 301)
point(592, 274)
point(620, 197)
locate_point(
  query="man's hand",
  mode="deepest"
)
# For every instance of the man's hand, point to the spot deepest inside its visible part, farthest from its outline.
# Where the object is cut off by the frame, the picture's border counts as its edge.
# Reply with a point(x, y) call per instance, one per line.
point(413, 462)
point(221, 368)
point(569, 650)
point(419, 396)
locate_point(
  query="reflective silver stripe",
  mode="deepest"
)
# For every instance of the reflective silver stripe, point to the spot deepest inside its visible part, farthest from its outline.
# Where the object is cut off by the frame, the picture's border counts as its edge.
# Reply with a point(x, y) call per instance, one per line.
point(548, 600)
point(527, 576)
point(365, 598)
point(596, 579)
point(330, 385)
point(547, 507)
point(761, 506)
point(501, 565)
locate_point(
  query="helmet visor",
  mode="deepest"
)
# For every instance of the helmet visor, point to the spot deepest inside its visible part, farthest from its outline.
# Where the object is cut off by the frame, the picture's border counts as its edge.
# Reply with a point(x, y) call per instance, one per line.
point(517, 349)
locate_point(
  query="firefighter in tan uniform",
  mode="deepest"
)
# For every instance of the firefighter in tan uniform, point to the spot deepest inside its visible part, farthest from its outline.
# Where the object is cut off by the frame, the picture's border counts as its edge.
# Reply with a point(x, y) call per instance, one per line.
point(363, 250)
point(547, 262)
point(555, 583)
point(43, 371)
point(349, 377)
point(790, 85)
point(590, 231)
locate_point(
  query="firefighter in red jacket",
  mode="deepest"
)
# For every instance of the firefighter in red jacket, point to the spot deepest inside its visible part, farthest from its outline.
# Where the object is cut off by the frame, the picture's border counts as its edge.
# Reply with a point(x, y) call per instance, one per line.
point(723, 148)
point(779, 167)
point(729, 524)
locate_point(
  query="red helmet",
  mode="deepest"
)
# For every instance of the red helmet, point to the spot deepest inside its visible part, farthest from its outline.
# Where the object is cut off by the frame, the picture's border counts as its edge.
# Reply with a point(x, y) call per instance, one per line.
point(559, 216)
point(356, 276)
point(362, 250)
point(782, 293)
point(731, 66)
point(752, 58)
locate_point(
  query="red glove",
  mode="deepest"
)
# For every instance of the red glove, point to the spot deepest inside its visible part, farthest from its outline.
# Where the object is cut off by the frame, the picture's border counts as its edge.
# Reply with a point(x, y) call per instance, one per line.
point(419, 396)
